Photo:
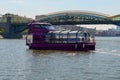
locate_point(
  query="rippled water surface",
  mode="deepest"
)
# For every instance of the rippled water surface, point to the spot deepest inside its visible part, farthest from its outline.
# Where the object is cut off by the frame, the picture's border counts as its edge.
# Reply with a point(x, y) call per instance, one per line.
point(17, 62)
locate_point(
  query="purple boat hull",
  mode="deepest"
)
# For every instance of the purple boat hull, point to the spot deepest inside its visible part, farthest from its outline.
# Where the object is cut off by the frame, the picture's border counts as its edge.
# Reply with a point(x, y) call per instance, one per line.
point(63, 46)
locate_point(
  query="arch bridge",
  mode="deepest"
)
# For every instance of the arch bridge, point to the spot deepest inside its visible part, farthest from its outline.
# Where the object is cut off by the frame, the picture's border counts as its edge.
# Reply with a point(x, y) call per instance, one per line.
point(13, 30)
point(79, 17)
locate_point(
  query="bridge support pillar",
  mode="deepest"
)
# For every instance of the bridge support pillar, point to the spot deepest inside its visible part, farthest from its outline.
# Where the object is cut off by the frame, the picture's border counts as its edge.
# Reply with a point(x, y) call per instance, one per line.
point(9, 32)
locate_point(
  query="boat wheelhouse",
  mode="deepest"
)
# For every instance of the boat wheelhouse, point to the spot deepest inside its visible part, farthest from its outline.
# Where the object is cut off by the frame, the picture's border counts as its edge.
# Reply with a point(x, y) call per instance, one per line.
point(44, 36)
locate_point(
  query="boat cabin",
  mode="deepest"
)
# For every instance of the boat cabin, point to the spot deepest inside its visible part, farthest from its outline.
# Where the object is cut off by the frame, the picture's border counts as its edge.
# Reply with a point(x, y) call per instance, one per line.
point(67, 36)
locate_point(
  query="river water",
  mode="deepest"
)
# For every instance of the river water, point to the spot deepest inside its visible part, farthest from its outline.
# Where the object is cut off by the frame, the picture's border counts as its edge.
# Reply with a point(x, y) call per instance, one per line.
point(17, 62)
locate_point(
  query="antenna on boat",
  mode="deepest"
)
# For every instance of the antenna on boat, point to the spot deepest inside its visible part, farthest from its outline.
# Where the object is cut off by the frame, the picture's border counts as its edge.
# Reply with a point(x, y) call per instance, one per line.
point(33, 21)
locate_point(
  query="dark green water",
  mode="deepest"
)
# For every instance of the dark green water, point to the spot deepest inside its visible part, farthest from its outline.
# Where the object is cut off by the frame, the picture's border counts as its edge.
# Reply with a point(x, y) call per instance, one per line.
point(17, 62)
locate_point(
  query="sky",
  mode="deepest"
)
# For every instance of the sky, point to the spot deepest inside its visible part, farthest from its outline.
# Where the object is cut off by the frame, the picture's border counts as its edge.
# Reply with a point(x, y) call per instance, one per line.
point(30, 8)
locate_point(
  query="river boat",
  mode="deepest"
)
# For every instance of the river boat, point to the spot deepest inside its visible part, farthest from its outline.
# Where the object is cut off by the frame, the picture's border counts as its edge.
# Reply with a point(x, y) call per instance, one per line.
point(44, 36)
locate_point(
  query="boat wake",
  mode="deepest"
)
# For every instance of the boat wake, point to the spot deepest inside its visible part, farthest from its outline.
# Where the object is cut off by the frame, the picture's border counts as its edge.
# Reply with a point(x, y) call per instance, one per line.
point(113, 52)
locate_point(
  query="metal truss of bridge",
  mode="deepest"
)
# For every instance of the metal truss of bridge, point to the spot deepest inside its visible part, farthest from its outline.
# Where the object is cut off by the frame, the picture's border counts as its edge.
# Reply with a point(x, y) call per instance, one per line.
point(79, 17)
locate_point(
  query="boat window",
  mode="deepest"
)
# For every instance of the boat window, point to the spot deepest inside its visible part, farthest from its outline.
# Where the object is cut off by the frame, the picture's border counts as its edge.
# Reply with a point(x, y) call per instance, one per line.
point(72, 37)
point(37, 26)
point(72, 34)
point(48, 26)
point(88, 34)
point(56, 33)
point(85, 34)
point(80, 34)
point(48, 37)
point(64, 34)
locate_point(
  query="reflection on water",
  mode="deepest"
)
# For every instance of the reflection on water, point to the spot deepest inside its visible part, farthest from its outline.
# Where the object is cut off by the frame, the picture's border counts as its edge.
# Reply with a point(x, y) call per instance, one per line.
point(17, 62)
